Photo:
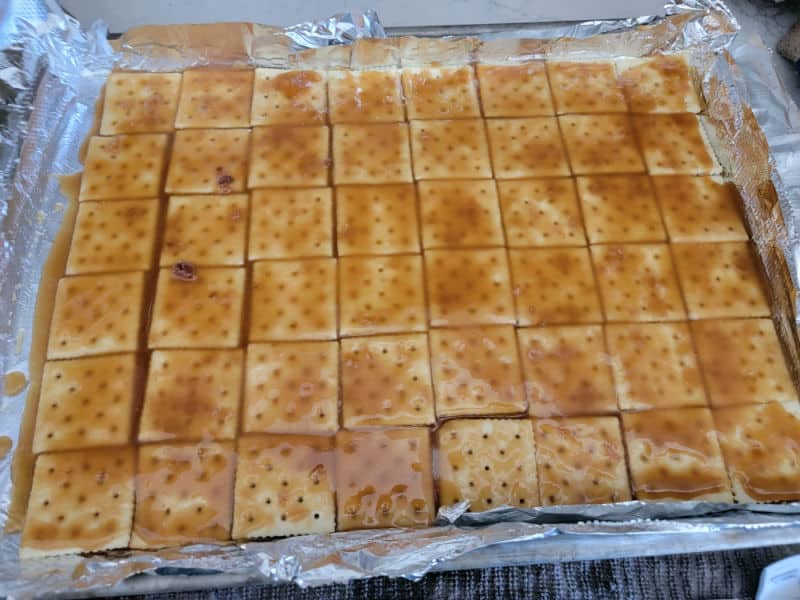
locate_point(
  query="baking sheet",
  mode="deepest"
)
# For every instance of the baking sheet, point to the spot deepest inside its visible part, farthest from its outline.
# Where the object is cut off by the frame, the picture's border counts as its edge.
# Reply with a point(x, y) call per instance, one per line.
point(53, 72)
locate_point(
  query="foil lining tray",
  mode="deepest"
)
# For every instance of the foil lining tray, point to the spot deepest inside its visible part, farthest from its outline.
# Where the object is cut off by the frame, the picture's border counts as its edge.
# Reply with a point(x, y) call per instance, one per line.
point(51, 74)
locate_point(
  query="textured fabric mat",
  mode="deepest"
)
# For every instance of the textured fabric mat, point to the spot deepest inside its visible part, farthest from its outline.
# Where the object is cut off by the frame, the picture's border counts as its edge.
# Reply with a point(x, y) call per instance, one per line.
point(714, 575)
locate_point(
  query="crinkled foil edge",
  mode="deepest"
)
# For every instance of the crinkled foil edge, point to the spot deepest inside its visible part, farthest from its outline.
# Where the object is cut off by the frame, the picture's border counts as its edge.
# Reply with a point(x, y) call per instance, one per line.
point(51, 74)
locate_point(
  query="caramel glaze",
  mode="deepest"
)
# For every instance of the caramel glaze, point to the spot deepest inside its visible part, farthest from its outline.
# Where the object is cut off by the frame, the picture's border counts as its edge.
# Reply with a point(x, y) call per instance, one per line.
point(185, 490)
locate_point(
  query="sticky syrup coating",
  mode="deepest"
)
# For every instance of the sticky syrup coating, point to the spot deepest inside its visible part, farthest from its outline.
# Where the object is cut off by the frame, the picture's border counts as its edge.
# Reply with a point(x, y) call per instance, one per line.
point(529, 250)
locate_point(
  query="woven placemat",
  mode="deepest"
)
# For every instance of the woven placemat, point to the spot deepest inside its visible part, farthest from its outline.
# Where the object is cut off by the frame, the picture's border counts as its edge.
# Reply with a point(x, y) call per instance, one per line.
point(706, 576)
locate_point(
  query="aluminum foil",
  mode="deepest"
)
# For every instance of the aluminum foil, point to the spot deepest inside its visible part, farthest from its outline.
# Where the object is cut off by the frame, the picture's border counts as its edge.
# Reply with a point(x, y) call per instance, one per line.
point(51, 74)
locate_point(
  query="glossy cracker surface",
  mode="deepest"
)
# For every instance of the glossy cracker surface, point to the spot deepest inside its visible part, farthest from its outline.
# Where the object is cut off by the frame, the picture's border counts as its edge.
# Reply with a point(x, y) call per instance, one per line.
point(387, 279)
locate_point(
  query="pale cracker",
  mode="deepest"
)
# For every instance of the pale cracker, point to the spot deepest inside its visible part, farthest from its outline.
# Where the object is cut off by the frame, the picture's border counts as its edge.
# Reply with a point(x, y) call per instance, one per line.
point(581, 460)
point(80, 501)
point(215, 98)
point(381, 294)
point(140, 103)
point(638, 282)
point(292, 388)
point(86, 402)
point(554, 285)
point(370, 153)
point(441, 92)
point(386, 380)
point(192, 395)
point(379, 219)
point(96, 314)
point(541, 212)
point(460, 213)
point(290, 223)
point(123, 166)
point(468, 287)
point(721, 280)
point(476, 371)
point(200, 312)
point(113, 236)
point(654, 366)
point(455, 149)
point(205, 230)
point(620, 208)
point(284, 486)
point(742, 362)
point(489, 462)
point(529, 147)
point(208, 161)
point(293, 300)
point(288, 155)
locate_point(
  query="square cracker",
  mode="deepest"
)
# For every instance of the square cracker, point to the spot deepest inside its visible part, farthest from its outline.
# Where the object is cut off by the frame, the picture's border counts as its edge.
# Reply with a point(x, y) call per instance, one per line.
point(566, 371)
point(184, 494)
point(441, 92)
point(375, 53)
point(721, 280)
point(759, 443)
point(742, 362)
point(700, 209)
point(192, 395)
point(519, 90)
point(376, 219)
point(581, 460)
point(460, 213)
point(554, 285)
point(293, 300)
point(386, 380)
point(208, 161)
point(381, 294)
point(96, 314)
point(598, 144)
point(215, 98)
point(292, 388)
point(291, 222)
point(476, 371)
point(284, 486)
point(674, 455)
point(140, 103)
point(370, 153)
point(113, 236)
point(526, 148)
point(80, 501)
point(654, 366)
point(675, 144)
point(205, 230)
point(295, 97)
point(541, 212)
point(585, 87)
point(86, 402)
point(490, 462)
point(123, 166)
point(365, 96)
point(637, 282)
point(384, 479)
point(468, 287)
point(450, 150)
point(197, 307)
point(659, 84)
point(291, 156)
point(620, 208)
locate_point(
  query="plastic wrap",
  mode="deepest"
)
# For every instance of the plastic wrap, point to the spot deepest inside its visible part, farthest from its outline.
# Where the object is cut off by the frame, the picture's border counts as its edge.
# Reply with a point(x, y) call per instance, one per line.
point(52, 73)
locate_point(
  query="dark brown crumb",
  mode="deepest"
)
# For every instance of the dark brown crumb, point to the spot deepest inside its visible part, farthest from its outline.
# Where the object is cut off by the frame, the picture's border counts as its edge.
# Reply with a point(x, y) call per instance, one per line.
point(184, 270)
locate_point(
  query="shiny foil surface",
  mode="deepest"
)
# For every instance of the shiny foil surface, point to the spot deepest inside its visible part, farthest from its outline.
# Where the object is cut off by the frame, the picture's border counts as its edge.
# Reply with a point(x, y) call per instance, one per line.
point(51, 74)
